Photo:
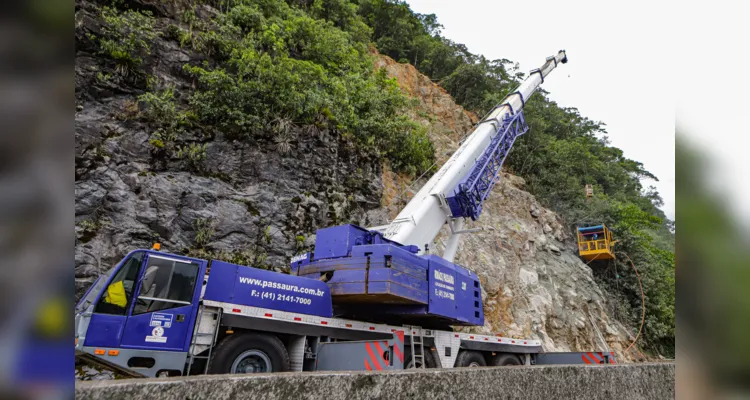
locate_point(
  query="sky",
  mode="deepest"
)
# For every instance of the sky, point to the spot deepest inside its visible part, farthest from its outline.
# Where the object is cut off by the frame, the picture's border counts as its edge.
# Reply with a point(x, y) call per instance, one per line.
point(618, 70)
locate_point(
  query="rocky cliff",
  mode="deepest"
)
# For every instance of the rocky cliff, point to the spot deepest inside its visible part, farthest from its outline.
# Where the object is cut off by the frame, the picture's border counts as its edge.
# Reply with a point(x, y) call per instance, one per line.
point(250, 203)
point(256, 205)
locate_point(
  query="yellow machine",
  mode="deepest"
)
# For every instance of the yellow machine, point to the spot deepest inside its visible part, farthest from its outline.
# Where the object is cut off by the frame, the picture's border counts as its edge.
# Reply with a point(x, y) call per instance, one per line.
point(595, 243)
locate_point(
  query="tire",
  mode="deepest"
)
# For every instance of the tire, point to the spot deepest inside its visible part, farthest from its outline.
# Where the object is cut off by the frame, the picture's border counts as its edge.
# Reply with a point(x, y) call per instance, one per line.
point(502, 360)
point(249, 353)
point(468, 358)
point(429, 358)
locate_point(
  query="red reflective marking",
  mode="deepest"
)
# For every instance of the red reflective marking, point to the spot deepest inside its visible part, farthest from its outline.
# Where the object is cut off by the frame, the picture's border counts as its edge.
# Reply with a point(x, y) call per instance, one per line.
point(367, 366)
point(269, 315)
point(324, 322)
point(236, 310)
point(585, 360)
point(595, 357)
point(372, 357)
point(398, 352)
point(380, 353)
point(400, 336)
point(297, 319)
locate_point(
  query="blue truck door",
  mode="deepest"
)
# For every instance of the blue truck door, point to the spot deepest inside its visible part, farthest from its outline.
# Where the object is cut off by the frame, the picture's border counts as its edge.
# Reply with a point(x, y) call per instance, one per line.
point(112, 304)
point(163, 314)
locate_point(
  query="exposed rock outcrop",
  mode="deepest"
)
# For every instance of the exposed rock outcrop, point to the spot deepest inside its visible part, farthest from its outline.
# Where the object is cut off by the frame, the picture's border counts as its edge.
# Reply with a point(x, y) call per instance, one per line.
point(250, 201)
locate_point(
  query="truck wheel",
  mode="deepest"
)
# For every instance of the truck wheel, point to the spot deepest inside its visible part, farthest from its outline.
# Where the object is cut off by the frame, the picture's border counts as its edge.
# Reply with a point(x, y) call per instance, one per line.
point(501, 360)
point(468, 358)
point(249, 353)
point(429, 359)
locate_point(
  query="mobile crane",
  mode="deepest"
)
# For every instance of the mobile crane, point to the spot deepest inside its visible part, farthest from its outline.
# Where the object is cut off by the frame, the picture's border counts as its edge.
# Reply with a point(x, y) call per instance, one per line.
point(365, 299)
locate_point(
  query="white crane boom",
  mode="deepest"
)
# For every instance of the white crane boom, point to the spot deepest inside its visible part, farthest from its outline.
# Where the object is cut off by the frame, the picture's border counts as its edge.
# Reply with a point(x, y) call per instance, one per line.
point(423, 217)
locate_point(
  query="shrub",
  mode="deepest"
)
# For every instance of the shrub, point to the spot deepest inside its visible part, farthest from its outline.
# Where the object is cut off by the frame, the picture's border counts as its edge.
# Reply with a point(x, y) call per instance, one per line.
point(281, 61)
point(194, 154)
point(162, 111)
point(159, 107)
point(299, 242)
point(247, 17)
point(204, 231)
point(127, 36)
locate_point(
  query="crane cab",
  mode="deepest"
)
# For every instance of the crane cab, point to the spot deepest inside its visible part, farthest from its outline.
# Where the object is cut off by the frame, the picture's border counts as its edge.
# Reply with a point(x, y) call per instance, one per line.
point(595, 242)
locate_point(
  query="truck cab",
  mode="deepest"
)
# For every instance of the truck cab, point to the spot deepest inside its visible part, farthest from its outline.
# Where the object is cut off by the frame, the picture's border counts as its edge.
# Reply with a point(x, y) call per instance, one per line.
point(141, 313)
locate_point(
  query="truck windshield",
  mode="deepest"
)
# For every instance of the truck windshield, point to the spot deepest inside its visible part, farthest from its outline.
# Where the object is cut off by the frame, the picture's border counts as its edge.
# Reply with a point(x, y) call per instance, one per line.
point(167, 283)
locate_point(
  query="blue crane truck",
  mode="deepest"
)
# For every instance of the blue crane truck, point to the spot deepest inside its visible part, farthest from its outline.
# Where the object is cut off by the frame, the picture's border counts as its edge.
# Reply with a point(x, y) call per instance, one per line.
point(365, 299)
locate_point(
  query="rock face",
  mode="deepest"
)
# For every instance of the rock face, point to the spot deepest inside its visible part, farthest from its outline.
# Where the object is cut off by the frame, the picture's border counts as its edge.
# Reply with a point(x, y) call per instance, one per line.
point(251, 202)
point(256, 203)
point(534, 285)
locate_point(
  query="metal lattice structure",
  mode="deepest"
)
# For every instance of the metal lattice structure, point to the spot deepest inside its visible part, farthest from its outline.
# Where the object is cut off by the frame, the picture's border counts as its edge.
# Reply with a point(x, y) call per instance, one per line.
point(473, 190)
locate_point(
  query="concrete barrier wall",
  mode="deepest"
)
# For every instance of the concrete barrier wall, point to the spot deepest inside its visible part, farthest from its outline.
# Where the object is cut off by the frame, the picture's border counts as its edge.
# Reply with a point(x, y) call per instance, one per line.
point(625, 381)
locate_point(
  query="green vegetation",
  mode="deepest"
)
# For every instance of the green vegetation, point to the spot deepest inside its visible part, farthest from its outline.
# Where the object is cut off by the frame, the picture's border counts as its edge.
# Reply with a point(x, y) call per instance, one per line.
point(272, 70)
point(305, 63)
point(86, 229)
point(193, 153)
point(127, 36)
point(299, 241)
point(171, 123)
point(285, 64)
point(204, 232)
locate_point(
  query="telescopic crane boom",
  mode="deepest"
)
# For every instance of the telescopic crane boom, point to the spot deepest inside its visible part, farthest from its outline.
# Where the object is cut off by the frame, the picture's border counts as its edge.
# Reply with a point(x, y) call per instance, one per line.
point(459, 188)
